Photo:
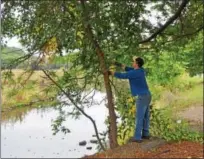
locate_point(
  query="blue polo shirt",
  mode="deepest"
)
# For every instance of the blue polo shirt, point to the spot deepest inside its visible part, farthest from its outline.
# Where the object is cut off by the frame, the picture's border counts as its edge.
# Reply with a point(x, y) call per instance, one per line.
point(137, 80)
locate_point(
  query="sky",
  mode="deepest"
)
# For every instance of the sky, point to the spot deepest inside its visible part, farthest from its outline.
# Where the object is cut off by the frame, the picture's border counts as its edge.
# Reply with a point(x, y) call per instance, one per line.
point(14, 42)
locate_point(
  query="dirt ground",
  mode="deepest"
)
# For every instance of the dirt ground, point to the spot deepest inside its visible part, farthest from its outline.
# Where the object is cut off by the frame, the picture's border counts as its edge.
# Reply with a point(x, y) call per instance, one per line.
point(194, 115)
point(184, 149)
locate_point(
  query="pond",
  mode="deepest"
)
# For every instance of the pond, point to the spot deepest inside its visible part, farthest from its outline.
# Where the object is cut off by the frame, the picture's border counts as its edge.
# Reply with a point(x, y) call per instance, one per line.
point(27, 133)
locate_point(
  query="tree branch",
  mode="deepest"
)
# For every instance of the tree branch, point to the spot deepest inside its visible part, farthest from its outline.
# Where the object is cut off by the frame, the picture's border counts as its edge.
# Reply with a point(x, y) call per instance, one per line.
point(171, 20)
point(75, 104)
point(185, 35)
point(192, 33)
point(100, 54)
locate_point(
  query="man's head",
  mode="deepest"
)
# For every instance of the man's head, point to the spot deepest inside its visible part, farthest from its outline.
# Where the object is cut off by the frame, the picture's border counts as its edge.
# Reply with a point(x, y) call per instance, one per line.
point(138, 62)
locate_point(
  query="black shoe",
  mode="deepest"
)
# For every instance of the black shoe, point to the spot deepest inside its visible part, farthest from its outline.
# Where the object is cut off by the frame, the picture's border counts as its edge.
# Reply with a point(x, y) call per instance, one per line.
point(138, 141)
point(146, 137)
point(134, 140)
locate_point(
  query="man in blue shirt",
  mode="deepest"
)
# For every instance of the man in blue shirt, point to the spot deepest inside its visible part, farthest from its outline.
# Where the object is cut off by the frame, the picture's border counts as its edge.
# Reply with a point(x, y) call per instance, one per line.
point(139, 88)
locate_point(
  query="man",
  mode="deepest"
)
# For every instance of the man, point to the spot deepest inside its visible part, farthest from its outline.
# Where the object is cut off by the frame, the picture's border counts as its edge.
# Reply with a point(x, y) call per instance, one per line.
point(139, 88)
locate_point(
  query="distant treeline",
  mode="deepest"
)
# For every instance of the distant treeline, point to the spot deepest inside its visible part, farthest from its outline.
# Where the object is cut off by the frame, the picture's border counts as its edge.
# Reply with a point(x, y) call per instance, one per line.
point(9, 55)
point(33, 66)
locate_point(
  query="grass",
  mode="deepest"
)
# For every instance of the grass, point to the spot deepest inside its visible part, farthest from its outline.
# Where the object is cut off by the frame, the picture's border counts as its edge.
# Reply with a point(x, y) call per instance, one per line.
point(183, 92)
point(183, 100)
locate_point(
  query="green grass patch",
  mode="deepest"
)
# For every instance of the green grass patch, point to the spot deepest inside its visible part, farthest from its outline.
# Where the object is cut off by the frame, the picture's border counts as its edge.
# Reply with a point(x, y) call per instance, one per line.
point(185, 99)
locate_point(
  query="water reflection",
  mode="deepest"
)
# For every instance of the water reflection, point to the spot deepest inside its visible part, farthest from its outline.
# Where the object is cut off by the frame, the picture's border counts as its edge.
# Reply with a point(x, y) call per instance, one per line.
point(15, 115)
point(27, 133)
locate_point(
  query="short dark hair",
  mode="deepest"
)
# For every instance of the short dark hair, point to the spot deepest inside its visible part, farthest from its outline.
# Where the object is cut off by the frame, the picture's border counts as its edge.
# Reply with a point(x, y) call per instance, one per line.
point(139, 61)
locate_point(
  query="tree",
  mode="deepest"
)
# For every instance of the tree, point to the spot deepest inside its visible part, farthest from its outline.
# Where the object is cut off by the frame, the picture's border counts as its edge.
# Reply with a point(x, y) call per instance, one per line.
point(100, 31)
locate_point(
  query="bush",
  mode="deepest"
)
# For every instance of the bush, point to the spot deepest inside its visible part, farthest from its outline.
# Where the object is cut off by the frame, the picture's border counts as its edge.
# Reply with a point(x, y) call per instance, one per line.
point(171, 130)
point(163, 70)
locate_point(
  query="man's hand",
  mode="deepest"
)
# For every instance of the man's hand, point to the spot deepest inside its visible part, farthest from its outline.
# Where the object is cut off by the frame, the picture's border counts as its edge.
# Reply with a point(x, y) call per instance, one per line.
point(117, 64)
point(111, 73)
point(123, 66)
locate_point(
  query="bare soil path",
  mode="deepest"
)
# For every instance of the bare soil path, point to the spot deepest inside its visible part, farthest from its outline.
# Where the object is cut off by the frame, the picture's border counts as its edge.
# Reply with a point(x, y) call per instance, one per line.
point(194, 115)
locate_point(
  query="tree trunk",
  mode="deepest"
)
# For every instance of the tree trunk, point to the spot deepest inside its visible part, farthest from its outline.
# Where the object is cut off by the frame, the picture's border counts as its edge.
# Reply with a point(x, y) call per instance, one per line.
point(112, 115)
point(100, 54)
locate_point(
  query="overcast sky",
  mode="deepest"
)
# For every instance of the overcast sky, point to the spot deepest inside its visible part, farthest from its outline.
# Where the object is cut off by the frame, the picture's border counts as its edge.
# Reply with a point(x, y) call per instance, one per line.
point(14, 42)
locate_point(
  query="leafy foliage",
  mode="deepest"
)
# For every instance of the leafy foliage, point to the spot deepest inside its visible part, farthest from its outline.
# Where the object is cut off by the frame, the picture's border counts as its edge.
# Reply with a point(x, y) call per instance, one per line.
point(191, 55)
point(170, 129)
point(57, 126)
point(126, 108)
point(164, 69)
